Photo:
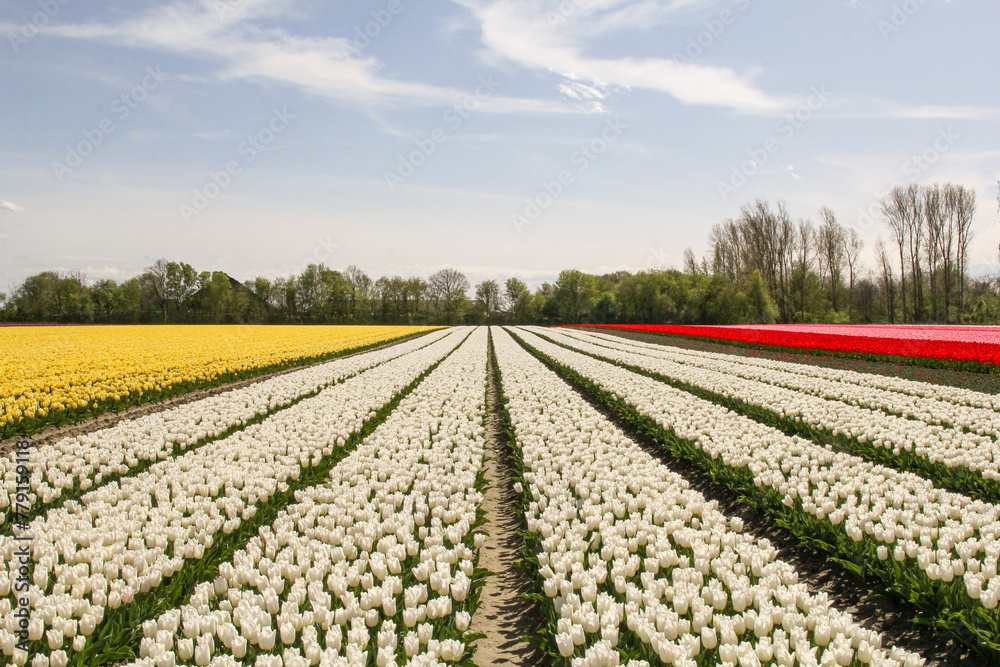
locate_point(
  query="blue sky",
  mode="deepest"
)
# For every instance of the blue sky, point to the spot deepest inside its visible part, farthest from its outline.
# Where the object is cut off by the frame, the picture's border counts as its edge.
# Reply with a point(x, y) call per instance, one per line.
point(499, 137)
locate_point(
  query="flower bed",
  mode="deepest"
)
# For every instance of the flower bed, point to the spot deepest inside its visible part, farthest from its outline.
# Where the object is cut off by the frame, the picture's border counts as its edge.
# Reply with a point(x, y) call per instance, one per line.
point(636, 566)
point(975, 348)
point(935, 549)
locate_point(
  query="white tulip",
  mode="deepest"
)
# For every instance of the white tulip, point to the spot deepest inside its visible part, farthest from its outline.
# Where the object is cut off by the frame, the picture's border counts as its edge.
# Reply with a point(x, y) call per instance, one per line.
point(411, 644)
point(437, 474)
point(251, 466)
point(185, 649)
point(870, 408)
point(799, 469)
point(563, 440)
point(70, 461)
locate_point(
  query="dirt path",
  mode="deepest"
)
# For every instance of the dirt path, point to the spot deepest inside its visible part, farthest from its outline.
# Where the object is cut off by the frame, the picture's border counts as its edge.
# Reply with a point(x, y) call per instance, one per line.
point(503, 615)
point(53, 434)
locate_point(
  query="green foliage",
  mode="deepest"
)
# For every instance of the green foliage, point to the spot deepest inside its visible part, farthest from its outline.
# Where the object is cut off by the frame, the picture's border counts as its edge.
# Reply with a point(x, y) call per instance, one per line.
point(575, 296)
point(174, 292)
point(759, 308)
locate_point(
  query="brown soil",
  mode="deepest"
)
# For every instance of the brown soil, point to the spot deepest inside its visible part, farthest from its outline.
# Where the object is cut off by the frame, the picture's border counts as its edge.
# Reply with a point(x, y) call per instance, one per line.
point(53, 434)
point(503, 615)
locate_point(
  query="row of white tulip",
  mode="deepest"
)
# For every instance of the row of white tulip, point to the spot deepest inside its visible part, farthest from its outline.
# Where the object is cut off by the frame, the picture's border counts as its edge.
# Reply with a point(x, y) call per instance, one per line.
point(84, 461)
point(128, 537)
point(937, 444)
point(956, 395)
point(324, 585)
point(883, 513)
point(629, 554)
point(921, 400)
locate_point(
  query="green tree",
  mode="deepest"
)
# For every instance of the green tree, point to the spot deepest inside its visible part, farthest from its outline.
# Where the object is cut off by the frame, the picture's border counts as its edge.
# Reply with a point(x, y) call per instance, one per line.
point(180, 282)
point(760, 309)
point(449, 288)
point(517, 301)
point(488, 294)
point(102, 295)
point(575, 296)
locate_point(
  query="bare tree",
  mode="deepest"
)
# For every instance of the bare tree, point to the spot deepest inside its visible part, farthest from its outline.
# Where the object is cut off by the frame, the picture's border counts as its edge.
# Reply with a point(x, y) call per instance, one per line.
point(785, 247)
point(899, 209)
point(853, 245)
point(761, 239)
point(914, 220)
point(964, 207)
point(803, 260)
point(758, 232)
point(724, 241)
point(934, 211)
point(830, 250)
point(690, 263)
point(887, 282)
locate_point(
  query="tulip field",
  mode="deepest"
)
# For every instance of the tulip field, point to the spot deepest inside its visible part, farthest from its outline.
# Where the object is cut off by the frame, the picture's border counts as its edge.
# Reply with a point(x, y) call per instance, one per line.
point(975, 348)
point(52, 375)
point(334, 515)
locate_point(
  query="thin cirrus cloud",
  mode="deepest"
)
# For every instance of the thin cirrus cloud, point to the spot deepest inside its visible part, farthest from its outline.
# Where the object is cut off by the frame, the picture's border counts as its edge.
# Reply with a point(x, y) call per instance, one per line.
point(329, 67)
point(853, 106)
point(8, 206)
point(945, 112)
point(554, 35)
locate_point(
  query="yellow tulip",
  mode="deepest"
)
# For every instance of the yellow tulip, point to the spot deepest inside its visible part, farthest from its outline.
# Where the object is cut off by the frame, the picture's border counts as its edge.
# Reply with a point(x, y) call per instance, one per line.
point(48, 370)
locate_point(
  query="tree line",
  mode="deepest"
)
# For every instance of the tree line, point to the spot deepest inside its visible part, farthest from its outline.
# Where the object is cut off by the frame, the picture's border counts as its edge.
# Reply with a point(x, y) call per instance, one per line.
point(174, 292)
point(761, 267)
point(815, 270)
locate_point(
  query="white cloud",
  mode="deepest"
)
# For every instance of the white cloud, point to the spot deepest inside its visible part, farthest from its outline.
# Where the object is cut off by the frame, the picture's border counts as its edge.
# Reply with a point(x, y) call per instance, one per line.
point(852, 106)
point(244, 49)
point(945, 112)
point(581, 91)
point(6, 205)
point(545, 37)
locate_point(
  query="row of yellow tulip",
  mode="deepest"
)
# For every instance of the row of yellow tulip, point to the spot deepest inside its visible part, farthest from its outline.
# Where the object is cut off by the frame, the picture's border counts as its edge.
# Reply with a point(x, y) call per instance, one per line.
point(51, 375)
